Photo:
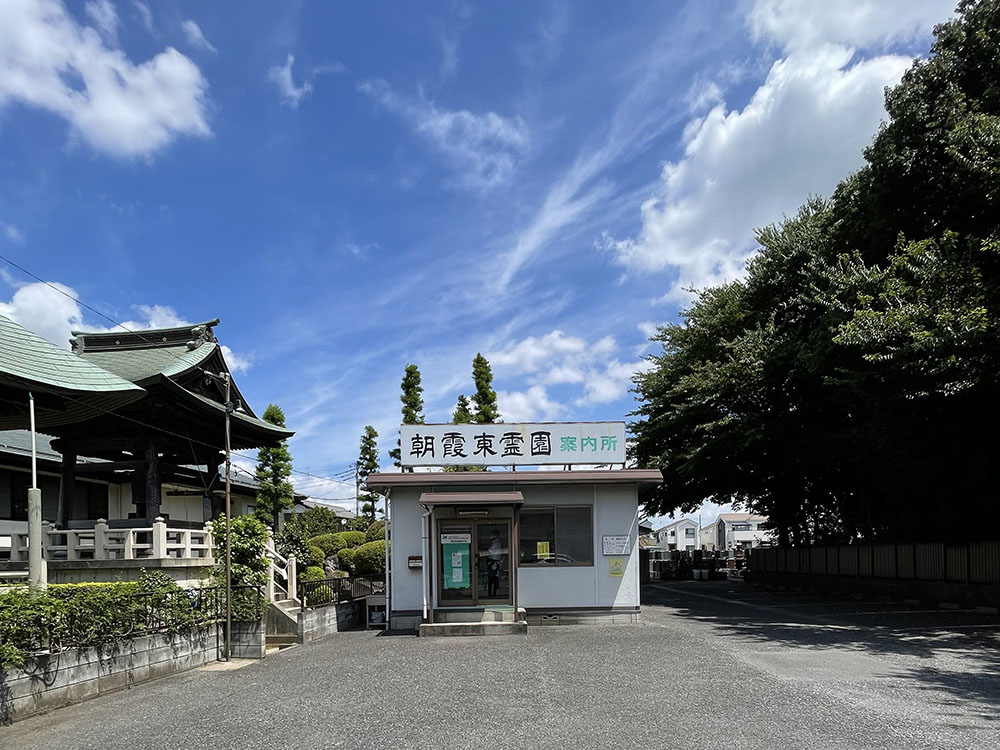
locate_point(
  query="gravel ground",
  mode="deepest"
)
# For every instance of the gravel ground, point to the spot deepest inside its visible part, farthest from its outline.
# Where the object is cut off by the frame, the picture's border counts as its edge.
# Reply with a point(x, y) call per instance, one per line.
point(712, 664)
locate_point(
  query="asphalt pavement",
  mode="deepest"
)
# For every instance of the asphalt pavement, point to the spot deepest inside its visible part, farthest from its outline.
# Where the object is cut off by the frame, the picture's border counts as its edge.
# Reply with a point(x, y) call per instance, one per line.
point(712, 664)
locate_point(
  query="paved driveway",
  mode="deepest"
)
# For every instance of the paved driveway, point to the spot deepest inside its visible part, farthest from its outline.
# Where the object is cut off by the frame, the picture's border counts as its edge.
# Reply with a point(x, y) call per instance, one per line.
point(713, 665)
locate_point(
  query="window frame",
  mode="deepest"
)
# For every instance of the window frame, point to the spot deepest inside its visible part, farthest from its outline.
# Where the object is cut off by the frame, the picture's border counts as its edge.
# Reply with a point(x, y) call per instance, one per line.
point(555, 541)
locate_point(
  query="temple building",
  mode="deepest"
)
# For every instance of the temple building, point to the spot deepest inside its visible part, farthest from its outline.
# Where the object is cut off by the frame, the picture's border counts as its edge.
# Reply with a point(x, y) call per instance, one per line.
point(132, 429)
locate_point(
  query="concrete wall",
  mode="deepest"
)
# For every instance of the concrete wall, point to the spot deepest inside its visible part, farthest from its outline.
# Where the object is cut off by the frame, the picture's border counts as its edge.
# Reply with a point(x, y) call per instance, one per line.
point(615, 514)
point(56, 680)
point(316, 623)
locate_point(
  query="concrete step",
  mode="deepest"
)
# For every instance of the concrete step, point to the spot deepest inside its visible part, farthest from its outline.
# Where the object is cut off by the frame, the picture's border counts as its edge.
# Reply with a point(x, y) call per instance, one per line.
point(481, 614)
point(281, 639)
point(438, 629)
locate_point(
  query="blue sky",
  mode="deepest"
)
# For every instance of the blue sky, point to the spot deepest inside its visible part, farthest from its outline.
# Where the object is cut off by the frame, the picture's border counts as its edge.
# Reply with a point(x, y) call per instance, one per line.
point(352, 187)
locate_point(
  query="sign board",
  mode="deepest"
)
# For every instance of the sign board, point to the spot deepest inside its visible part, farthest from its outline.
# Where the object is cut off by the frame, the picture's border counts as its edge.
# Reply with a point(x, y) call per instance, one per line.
point(616, 567)
point(542, 550)
point(615, 545)
point(414, 561)
point(456, 562)
point(527, 444)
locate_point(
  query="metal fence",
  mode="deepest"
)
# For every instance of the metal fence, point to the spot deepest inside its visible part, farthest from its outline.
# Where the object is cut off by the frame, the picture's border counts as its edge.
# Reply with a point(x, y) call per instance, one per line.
point(977, 563)
point(339, 590)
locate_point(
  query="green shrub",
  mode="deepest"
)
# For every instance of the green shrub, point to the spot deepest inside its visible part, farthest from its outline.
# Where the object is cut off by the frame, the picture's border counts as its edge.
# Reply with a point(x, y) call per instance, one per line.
point(353, 538)
point(340, 574)
point(316, 556)
point(312, 573)
point(249, 557)
point(369, 559)
point(345, 559)
point(331, 544)
point(376, 531)
point(303, 526)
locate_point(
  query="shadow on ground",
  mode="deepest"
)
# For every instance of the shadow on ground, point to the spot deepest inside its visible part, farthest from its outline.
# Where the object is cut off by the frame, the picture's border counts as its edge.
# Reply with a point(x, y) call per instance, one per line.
point(960, 651)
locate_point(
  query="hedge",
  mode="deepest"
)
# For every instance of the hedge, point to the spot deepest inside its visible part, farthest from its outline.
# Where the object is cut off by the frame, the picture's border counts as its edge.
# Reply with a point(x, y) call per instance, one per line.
point(376, 531)
point(369, 559)
point(93, 614)
point(331, 544)
point(317, 556)
point(353, 538)
point(345, 558)
point(312, 573)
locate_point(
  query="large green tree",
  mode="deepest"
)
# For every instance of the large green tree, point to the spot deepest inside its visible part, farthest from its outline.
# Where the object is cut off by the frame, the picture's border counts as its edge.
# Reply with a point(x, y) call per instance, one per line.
point(847, 386)
point(413, 405)
point(274, 467)
point(462, 413)
point(485, 397)
point(367, 463)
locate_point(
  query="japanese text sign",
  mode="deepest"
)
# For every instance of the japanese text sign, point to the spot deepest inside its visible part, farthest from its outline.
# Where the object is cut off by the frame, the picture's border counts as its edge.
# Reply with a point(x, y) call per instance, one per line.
point(512, 444)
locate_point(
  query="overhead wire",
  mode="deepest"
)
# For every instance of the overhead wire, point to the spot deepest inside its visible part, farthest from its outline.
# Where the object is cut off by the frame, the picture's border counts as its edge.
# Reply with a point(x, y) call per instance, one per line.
point(347, 473)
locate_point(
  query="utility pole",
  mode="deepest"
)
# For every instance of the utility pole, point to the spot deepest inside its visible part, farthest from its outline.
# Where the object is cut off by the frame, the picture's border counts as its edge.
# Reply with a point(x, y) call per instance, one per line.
point(37, 577)
point(357, 492)
point(229, 547)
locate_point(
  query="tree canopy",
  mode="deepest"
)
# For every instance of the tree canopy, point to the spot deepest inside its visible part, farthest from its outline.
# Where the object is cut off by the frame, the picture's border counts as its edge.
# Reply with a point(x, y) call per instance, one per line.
point(367, 463)
point(846, 387)
point(485, 397)
point(413, 405)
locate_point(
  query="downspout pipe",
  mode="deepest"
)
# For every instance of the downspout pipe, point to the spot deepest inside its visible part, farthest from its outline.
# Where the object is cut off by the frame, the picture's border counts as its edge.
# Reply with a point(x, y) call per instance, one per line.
point(388, 590)
point(425, 553)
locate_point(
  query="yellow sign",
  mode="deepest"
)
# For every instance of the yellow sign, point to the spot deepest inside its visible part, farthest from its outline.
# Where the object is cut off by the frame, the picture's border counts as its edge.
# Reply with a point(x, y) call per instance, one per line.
point(542, 550)
point(616, 567)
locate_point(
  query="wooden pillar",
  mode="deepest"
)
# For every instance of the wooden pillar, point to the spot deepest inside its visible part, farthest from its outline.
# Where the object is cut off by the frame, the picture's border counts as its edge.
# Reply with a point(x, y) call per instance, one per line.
point(66, 484)
point(152, 480)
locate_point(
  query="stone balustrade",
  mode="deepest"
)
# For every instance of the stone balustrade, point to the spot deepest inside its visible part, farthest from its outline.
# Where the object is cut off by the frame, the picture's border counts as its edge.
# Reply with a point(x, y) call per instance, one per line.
point(156, 542)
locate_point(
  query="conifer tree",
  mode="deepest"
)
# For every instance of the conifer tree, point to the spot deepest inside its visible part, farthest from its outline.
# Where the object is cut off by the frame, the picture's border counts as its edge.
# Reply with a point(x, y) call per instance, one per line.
point(462, 413)
point(413, 405)
point(485, 397)
point(367, 463)
point(274, 467)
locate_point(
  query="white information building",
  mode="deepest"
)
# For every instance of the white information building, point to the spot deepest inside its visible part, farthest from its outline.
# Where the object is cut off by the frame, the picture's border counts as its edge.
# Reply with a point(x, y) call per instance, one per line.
point(556, 542)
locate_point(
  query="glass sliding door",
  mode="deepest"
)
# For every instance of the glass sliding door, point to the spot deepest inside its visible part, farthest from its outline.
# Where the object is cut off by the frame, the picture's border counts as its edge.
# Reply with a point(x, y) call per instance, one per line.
point(493, 580)
point(474, 563)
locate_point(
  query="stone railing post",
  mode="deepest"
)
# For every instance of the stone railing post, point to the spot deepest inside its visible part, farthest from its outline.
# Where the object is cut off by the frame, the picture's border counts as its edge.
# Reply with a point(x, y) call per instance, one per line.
point(209, 541)
point(101, 539)
point(159, 538)
point(292, 578)
point(186, 541)
point(71, 541)
point(128, 552)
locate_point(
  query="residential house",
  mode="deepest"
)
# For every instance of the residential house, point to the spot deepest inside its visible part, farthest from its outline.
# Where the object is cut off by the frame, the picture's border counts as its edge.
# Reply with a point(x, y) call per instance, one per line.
point(681, 534)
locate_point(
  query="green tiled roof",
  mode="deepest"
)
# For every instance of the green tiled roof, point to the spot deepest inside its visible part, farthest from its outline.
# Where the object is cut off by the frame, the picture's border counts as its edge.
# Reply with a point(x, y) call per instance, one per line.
point(29, 360)
point(138, 364)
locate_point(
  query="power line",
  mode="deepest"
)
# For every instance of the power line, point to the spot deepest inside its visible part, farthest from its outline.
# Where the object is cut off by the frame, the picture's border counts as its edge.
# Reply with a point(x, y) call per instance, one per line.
point(347, 473)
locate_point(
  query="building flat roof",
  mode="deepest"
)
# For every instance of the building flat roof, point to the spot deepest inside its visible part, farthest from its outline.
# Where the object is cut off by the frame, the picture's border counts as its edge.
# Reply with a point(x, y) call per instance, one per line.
point(488, 478)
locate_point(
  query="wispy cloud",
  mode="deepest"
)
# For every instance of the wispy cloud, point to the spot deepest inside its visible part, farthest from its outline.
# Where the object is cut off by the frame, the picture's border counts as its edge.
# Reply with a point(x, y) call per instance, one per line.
point(482, 149)
point(105, 19)
point(281, 76)
point(145, 15)
point(12, 233)
point(195, 37)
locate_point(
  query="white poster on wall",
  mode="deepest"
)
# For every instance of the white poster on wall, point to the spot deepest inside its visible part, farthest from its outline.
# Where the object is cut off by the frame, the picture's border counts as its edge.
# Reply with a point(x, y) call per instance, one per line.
point(527, 444)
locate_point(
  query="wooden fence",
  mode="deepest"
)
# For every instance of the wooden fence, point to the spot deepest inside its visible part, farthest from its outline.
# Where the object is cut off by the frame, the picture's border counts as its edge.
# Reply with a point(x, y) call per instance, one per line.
point(943, 571)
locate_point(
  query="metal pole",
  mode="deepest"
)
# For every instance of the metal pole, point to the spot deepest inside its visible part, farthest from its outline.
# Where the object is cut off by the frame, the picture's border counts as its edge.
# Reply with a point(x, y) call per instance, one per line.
point(229, 546)
point(357, 492)
point(36, 563)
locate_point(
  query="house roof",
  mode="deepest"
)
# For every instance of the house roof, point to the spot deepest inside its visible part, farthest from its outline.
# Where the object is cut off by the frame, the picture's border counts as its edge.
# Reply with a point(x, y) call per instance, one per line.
point(672, 524)
point(738, 517)
point(512, 478)
point(67, 389)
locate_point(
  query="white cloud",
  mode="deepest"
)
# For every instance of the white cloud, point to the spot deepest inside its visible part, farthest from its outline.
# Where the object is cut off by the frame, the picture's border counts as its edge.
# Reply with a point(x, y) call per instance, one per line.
point(483, 149)
point(528, 406)
point(558, 359)
point(602, 386)
point(12, 233)
point(802, 24)
point(802, 131)
point(145, 15)
point(48, 311)
point(51, 62)
point(195, 37)
point(42, 309)
point(105, 19)
point(281, 76)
